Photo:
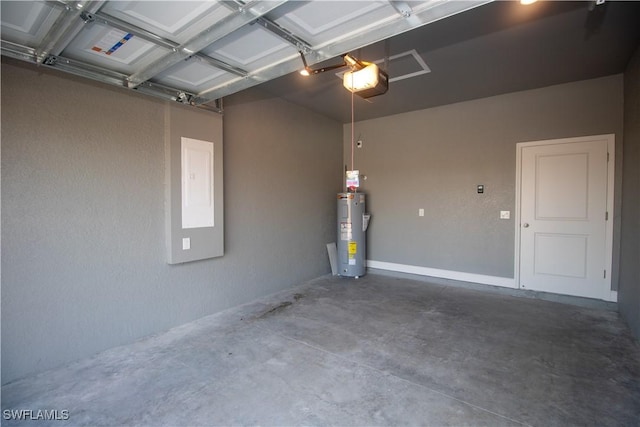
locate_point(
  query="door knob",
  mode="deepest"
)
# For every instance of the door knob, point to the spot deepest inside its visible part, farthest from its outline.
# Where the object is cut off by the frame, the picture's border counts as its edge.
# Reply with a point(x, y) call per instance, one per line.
point(525, 225)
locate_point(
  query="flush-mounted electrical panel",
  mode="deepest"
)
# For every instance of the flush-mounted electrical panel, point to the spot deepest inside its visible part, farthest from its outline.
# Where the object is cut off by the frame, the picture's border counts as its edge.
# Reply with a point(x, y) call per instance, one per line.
point(197, 170)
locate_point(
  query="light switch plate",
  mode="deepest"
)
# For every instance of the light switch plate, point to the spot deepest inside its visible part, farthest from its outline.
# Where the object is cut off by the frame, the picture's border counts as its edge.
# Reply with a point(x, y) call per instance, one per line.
point(505, 214)
point(186, 243)
point(420, 212)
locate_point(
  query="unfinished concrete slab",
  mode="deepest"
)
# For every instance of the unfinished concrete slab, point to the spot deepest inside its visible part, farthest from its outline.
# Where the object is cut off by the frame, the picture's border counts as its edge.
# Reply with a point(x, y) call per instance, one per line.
point(374, 351)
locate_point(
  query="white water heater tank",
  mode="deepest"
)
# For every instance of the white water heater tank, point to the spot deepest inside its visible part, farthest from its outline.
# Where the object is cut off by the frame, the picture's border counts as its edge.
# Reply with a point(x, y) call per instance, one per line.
point(352, 237)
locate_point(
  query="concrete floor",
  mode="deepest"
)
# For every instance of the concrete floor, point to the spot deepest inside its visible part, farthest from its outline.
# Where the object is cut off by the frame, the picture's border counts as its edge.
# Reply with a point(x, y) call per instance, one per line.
point(375, 351)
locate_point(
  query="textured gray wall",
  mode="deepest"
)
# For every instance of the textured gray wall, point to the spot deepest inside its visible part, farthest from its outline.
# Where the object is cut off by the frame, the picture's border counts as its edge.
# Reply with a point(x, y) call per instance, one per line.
point(83, 247)
point(629, 296)
point(434, 158)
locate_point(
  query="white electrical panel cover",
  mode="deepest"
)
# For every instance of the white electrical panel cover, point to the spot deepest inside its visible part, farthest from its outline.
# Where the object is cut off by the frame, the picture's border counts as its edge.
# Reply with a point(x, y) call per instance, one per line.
point(197, 183)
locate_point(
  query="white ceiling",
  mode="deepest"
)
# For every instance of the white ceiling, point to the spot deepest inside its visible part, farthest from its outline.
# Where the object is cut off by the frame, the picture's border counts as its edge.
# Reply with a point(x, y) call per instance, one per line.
point(196, 52)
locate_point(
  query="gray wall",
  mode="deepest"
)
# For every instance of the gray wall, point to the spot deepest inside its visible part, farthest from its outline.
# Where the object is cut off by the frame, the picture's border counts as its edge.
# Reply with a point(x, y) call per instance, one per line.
point(629, 296)
point(434, 158)
point(83, 247)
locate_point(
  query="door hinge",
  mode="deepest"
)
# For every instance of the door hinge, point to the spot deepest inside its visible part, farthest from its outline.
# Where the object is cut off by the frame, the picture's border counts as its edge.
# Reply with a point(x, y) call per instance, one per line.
point(605, 274)
point(607, 156)
point(606, 216)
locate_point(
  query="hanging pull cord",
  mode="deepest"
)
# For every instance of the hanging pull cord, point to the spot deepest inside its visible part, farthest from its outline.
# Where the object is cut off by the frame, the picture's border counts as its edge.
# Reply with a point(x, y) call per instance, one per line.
point(352, 123)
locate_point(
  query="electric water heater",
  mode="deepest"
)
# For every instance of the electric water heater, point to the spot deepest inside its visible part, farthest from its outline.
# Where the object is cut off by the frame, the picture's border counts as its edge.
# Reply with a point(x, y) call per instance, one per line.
point(352, 238)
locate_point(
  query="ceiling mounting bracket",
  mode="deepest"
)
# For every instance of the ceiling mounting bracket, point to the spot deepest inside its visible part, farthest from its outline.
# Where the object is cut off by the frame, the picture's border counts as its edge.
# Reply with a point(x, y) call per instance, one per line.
point(402, 7)
point(50, 60)
point(308, 71)
point(183, 98)
point(87, 17)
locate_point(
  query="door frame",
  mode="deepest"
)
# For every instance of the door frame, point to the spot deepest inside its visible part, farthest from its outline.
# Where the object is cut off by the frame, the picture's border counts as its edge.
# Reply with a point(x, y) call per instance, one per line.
point(607, 294)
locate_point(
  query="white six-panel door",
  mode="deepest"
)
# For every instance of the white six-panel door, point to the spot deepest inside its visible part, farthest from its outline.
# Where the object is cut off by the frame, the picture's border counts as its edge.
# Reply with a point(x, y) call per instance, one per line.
point(564, 206)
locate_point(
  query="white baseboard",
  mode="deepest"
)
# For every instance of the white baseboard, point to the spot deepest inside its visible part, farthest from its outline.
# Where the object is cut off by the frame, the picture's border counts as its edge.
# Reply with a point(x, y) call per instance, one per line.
point(444, 274)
